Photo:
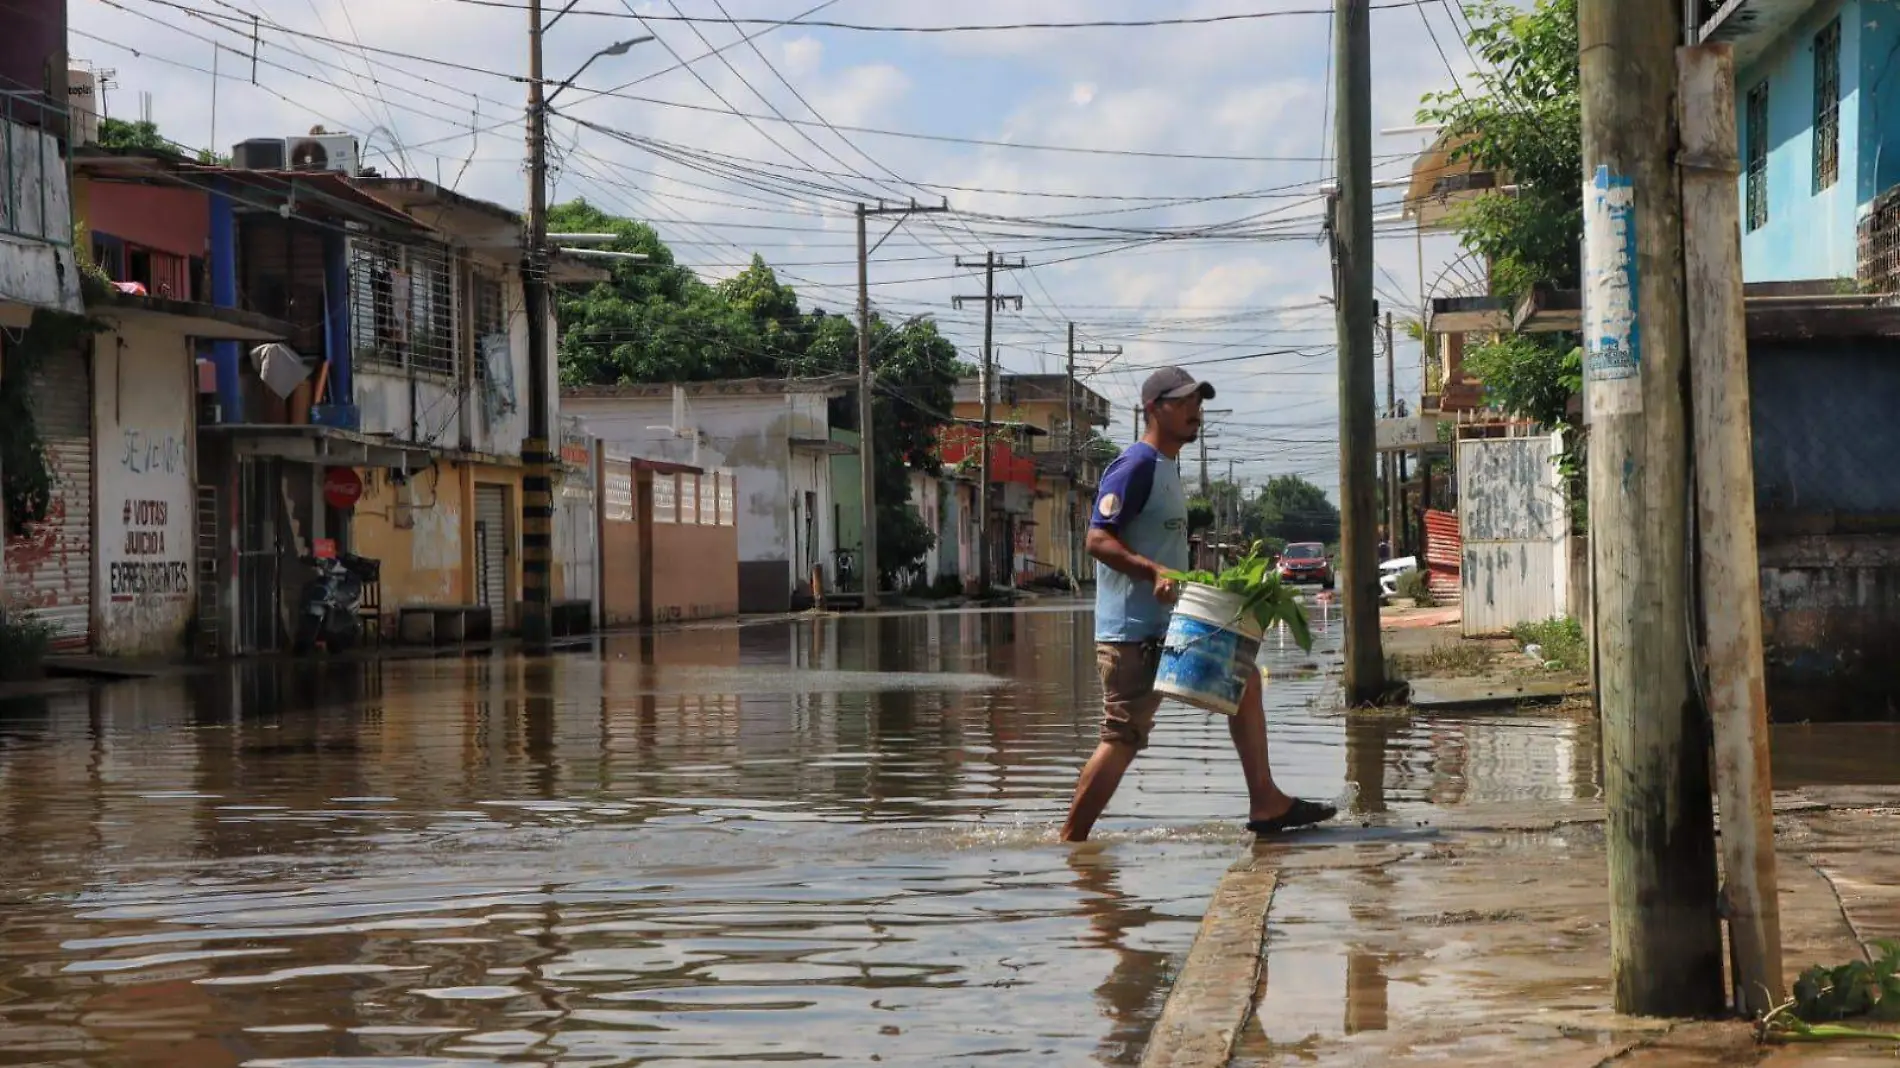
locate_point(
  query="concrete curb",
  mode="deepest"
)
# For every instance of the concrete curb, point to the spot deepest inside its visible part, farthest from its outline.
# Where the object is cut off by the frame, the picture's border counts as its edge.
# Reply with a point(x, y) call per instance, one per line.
point(1214, 992)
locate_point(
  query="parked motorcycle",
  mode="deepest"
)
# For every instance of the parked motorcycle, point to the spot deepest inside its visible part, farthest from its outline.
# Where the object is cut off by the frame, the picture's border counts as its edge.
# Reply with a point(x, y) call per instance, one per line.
point(328, 611)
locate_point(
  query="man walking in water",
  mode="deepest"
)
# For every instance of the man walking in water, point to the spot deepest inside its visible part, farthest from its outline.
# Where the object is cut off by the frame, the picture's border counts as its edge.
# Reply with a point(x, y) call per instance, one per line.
point(1138, 530)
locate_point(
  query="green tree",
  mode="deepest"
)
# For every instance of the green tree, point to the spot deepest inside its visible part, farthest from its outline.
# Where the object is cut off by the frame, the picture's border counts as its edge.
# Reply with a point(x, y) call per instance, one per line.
point(655, 321)
point(1289, 508)
point(915, 370)
point(1525, 124)
point(136, 136)
point(1200, 514)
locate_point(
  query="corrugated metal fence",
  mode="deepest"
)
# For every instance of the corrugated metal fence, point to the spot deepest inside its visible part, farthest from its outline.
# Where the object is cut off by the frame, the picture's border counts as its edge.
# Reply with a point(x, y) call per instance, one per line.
point(1516, 529)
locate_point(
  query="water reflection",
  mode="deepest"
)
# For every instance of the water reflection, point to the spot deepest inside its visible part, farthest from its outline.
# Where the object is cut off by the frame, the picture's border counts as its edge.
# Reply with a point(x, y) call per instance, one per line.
point(825, 838)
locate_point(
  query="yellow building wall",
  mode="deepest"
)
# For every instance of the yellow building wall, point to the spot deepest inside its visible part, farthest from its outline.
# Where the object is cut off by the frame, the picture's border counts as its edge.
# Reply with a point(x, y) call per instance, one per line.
point(423, 562)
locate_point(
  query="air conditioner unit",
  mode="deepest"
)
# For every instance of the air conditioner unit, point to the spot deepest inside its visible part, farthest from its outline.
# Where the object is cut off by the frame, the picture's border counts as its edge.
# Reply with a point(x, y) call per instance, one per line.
point(322, 152)
point(258, 154)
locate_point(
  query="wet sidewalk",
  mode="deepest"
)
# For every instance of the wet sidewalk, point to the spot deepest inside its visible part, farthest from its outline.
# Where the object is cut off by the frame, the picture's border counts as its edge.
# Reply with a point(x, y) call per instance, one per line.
point(1480, 937)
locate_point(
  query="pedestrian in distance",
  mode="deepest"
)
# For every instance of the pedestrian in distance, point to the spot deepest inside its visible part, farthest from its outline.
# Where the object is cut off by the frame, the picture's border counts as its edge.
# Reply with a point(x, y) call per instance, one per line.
point(1138, 531)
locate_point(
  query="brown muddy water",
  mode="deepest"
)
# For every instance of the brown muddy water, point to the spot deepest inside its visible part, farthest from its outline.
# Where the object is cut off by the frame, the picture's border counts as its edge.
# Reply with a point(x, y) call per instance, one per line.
point(822, 839)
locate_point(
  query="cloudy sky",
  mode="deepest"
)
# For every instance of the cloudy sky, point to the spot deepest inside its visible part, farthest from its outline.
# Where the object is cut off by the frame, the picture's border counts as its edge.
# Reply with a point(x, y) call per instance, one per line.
point(1216, 130)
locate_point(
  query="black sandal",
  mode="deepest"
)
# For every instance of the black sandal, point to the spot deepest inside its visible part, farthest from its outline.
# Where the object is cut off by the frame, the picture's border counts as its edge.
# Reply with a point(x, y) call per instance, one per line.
point(1304, 813)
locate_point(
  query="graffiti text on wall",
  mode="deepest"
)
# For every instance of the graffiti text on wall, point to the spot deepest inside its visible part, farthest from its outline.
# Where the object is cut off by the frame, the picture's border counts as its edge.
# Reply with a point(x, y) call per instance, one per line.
point(148, 452)
point(156, 578)
point(145, 523)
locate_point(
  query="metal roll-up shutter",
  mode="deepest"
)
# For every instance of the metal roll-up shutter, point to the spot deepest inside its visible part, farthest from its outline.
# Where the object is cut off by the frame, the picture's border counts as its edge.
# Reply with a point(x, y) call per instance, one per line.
point(49, 568)
point(491, 551)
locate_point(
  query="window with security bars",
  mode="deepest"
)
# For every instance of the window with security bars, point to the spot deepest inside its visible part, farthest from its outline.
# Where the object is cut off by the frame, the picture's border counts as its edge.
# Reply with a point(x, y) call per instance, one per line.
point(1756, 134)
point(1827, 106)
point(489, 317)
point(402, 309)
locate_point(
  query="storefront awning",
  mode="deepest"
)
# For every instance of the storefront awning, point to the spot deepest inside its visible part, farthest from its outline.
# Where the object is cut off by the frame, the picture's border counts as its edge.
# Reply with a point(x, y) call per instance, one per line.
point(326, 445)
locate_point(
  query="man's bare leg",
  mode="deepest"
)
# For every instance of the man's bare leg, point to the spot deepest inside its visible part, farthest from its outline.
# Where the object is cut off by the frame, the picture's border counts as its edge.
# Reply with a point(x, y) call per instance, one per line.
point(1265, 800)
point(1100, 776)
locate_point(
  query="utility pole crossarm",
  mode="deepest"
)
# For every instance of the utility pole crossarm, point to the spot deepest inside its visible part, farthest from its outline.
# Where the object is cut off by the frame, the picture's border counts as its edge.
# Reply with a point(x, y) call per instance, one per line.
point(991, 301)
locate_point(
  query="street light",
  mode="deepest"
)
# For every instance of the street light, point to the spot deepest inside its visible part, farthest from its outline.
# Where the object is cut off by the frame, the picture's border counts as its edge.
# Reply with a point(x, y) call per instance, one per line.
point(618, 48)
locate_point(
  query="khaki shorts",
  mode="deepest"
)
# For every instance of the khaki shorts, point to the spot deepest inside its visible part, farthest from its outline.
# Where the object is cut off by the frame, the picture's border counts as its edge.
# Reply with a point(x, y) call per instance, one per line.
point(1129, 700)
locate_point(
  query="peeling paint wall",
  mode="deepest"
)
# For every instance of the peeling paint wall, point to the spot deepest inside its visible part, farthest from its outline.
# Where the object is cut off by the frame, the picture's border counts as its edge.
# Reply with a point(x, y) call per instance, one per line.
point(416, 531)
point(1827, 498)
point(144, 393)
point(37, 263)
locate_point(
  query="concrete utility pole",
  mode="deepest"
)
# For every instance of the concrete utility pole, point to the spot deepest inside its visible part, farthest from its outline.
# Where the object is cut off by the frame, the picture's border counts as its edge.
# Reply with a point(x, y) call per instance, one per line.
point(1725, 523)
point(537, 485)
point(1076, 436)
point(1352, 243)
point(991, 263)
point(866, 430)
point(1665, 940)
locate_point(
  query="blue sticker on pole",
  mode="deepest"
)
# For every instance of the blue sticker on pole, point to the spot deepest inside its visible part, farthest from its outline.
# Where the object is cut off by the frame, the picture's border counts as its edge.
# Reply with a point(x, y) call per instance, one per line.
point(1612, 338)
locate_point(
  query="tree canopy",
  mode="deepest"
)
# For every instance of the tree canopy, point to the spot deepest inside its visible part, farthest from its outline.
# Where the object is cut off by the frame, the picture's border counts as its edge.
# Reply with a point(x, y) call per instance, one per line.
point(1525, 123)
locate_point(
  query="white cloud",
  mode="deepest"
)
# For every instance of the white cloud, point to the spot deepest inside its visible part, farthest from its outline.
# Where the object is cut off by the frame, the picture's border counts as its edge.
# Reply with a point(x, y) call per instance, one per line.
point(1082, 93)
point(802, 56)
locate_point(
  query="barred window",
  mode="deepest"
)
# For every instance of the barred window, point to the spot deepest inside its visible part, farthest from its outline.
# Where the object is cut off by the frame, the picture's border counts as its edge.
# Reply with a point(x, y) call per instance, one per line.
point(402, 306)
point(490, 318)
point(1756, 136)
point(1827, 106)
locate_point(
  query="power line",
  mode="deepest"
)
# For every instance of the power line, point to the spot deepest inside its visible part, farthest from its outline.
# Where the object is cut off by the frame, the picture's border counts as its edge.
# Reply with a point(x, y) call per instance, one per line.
point(987, 27)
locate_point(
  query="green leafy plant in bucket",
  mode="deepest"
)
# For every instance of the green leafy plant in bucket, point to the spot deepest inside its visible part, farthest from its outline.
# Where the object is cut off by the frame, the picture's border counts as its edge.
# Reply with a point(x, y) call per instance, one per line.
point(1261, 593)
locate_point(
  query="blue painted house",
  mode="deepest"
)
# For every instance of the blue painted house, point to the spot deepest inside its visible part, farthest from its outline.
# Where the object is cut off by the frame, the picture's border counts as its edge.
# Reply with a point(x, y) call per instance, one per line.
point(1818, 112)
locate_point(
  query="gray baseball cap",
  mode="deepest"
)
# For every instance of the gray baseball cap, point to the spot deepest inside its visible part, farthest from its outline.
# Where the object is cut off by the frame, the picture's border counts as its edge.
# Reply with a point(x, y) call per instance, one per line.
point(1172, 383)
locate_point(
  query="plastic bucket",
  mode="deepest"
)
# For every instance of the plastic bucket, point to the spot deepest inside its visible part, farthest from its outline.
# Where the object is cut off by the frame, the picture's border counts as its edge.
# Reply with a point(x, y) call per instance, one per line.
point(1208, 654)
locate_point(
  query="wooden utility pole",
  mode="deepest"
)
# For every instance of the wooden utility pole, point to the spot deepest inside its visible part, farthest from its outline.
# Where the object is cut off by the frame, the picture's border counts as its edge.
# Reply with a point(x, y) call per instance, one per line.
point(1393, 513)
point(1725, 522)
point(866, 430)
point(1352, 243)
point(1665, 941)
point(990, 298)
point(1076, 438)
point(1204, 490)
point(537, 484)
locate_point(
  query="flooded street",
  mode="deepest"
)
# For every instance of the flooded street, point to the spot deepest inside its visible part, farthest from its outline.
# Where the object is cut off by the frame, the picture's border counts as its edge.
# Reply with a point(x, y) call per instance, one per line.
point(820, 839)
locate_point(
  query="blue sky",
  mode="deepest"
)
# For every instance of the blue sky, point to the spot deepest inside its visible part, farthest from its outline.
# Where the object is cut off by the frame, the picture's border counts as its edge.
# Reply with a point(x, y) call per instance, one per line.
point(1254, 88)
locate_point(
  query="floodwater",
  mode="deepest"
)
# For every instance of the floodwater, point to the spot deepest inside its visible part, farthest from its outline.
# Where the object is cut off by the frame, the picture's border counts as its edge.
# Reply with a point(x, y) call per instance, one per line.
point(821, 839)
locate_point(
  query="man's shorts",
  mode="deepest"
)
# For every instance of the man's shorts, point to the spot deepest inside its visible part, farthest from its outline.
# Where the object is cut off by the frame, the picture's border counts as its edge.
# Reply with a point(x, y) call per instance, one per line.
point(1129, 700)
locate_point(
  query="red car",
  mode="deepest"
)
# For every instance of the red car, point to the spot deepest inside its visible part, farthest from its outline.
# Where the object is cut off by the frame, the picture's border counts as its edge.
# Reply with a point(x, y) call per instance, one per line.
point(1305, 561)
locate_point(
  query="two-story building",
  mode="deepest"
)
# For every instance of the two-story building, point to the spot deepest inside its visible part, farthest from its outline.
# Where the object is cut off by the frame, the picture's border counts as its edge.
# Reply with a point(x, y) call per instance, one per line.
point(293, 362)
point(1062, 416)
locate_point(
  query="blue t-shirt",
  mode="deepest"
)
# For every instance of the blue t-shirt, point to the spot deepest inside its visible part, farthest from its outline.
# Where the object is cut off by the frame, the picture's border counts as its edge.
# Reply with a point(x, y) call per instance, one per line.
point(1140, 501)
